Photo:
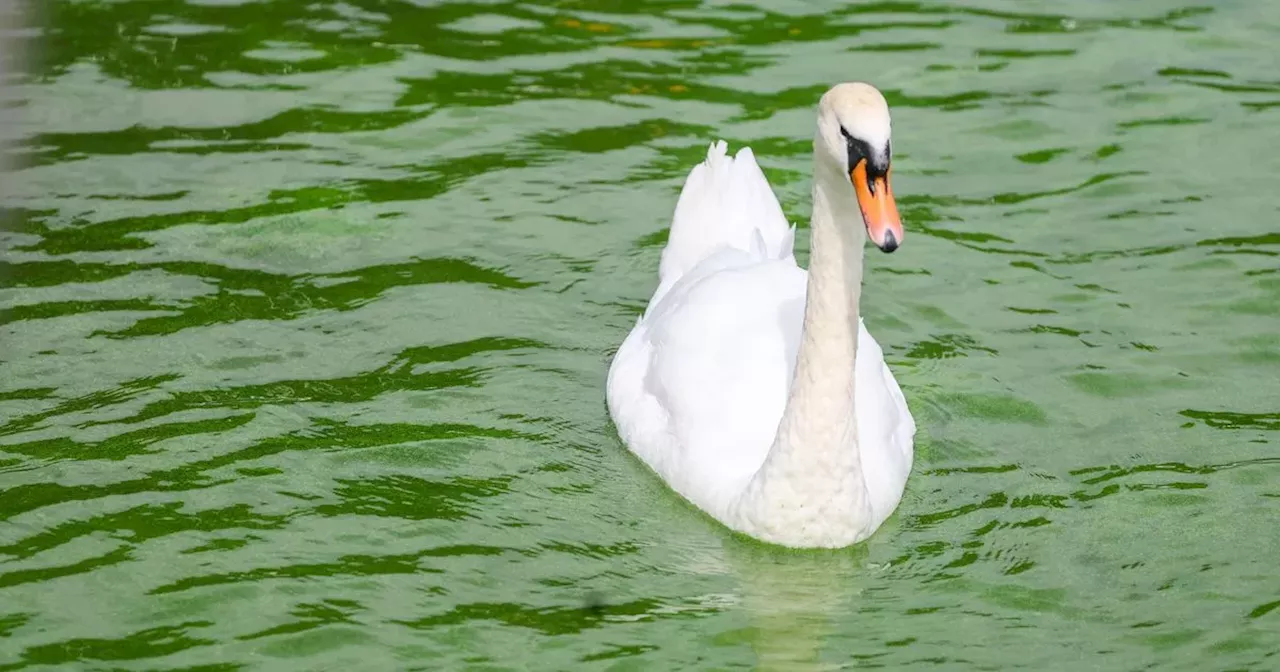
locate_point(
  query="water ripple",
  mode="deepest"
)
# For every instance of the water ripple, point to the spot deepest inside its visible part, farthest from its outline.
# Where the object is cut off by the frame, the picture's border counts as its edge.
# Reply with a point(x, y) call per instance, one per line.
point(305, 310)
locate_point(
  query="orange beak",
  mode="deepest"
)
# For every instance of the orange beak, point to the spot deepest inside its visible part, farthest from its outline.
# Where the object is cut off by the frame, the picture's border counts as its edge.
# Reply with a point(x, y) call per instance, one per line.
point(879, 211)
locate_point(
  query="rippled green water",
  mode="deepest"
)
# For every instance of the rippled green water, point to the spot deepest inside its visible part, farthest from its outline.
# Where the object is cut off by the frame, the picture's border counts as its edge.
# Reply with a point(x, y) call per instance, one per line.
point(307, 309)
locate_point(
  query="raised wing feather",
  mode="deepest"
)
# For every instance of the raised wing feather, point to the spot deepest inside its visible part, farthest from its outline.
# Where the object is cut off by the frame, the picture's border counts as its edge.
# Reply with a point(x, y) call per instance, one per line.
point(726, 202)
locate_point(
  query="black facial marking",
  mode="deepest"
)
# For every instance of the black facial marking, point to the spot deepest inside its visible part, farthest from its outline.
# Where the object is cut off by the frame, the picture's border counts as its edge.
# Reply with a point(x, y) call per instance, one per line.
point(877, 166)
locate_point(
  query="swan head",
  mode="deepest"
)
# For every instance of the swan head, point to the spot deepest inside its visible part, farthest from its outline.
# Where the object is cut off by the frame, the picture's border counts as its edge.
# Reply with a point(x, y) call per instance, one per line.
point(853, 134)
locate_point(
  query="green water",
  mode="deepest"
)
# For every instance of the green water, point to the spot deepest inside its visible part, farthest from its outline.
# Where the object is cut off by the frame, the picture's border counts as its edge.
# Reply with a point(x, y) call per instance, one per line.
point(307, 308)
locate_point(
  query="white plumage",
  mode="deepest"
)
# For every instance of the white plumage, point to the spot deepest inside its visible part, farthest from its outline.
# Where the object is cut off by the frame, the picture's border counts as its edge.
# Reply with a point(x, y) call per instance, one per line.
point(699, 388)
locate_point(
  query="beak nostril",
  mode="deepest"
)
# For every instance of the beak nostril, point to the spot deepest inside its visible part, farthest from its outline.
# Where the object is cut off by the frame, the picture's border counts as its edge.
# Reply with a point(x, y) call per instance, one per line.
point(890, 242)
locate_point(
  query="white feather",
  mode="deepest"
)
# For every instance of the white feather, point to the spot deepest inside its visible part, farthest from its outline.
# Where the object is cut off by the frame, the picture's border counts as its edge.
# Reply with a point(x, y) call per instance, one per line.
point(698, 387)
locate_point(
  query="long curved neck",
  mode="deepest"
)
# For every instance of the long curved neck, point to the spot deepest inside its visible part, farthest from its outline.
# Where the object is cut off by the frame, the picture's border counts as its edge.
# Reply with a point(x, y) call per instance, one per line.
point(813, 474)
point(817, 426)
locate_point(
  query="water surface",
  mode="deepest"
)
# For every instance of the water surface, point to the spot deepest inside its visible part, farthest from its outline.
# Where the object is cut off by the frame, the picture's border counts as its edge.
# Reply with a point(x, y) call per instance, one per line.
point(307, 309)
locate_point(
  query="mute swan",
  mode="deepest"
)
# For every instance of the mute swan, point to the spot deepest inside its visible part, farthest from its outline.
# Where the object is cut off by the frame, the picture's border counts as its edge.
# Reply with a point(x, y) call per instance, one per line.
point(752, 387)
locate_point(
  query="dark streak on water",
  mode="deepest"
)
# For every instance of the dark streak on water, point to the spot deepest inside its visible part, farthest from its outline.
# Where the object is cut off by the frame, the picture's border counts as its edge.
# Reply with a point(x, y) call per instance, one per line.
point(305, 310)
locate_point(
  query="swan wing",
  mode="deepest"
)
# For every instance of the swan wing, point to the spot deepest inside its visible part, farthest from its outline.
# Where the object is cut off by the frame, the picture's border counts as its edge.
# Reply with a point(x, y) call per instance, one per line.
point(726, 202)
point(698, 387)
point(886, 430)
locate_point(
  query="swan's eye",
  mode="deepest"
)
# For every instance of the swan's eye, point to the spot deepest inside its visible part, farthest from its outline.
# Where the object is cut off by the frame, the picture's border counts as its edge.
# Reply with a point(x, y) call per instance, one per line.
point(858, 150)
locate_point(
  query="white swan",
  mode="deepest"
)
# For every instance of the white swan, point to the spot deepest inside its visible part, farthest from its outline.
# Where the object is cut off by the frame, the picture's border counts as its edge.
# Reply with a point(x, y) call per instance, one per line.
point(752, 387)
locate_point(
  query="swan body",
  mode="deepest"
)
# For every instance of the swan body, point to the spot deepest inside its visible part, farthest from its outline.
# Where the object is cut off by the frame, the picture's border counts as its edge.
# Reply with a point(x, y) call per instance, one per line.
point(750, 385)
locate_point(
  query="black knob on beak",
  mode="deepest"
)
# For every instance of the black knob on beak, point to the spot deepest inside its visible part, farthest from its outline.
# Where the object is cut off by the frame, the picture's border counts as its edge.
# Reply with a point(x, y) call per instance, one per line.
point(890, 242)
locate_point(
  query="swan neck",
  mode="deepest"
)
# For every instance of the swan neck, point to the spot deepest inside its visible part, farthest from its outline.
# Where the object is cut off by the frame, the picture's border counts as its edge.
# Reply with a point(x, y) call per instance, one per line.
point(818, 426)
point(812, 475)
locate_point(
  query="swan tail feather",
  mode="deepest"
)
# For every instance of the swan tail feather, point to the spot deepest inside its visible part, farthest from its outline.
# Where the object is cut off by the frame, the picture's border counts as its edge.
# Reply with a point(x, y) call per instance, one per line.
point(726, 202)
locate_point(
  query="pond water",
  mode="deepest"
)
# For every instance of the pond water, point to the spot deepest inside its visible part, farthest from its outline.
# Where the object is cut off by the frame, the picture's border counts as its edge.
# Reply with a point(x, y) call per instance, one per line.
point(307, 309)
